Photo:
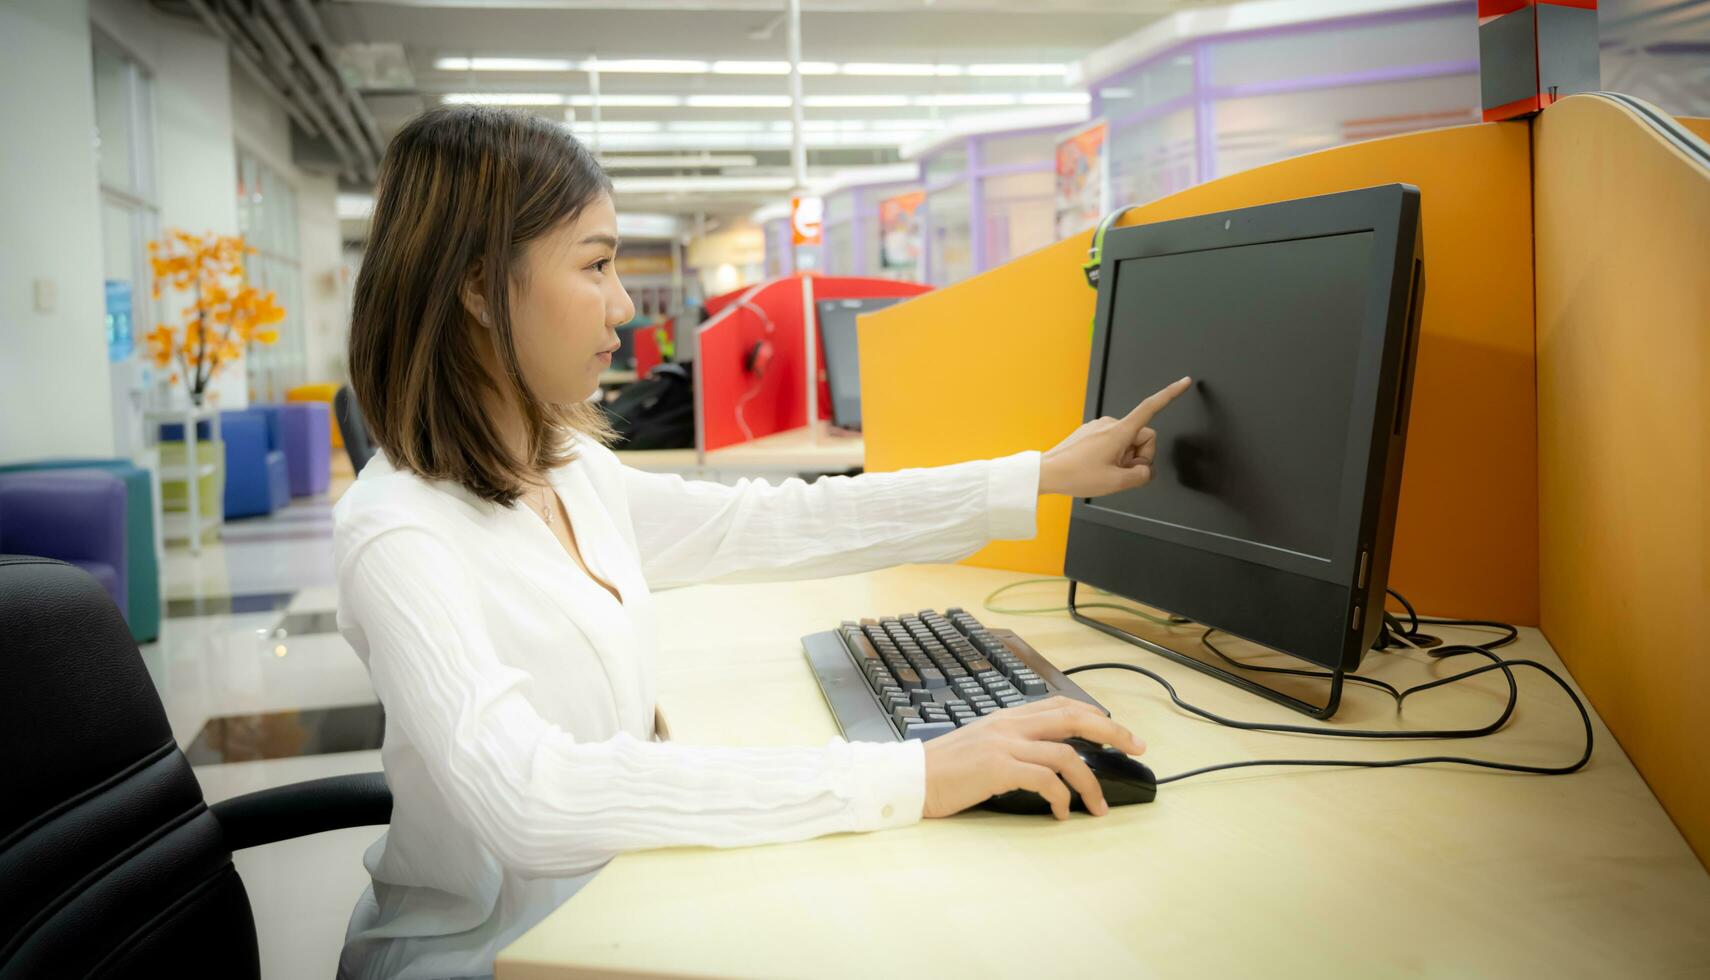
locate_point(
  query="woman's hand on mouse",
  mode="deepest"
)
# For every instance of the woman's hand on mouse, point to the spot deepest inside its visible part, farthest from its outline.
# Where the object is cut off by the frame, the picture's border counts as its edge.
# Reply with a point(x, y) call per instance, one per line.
point(1018, 748)
point(1107, 454)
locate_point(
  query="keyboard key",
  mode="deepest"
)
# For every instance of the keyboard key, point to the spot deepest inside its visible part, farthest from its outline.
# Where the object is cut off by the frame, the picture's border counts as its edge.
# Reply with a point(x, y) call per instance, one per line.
point(933, 678)
point(920, 696)
point(908, 679)
point(927, 731)
point(906, 715)
point(1032, 685)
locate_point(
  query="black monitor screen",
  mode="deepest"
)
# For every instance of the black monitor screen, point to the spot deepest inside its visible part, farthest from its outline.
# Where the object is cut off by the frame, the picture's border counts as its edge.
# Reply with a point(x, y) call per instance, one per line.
point(1270, 333)
point(842, 354)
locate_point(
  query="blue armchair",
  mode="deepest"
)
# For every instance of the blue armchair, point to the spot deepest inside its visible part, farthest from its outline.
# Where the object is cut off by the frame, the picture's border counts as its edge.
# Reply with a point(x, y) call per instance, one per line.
point(257, 481)
point(141, 567)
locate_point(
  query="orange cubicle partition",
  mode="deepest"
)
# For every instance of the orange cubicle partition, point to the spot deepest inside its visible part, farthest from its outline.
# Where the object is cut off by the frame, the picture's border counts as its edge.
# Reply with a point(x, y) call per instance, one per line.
point(1623, 287)
point(998, 364)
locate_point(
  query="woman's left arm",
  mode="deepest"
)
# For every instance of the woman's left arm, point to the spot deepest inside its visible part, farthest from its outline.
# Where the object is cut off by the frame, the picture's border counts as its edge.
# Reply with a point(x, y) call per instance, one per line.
point(697, 531)
point(692, 531)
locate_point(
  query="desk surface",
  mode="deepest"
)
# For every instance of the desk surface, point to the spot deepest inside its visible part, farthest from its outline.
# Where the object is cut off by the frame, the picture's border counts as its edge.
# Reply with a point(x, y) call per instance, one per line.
point(1420, 871)
point(811, 448)
point(660, 460)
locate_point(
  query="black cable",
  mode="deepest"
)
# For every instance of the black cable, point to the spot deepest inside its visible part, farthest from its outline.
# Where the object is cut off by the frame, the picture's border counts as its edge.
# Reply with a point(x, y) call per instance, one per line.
point(1510, 634)
point(1205, 638)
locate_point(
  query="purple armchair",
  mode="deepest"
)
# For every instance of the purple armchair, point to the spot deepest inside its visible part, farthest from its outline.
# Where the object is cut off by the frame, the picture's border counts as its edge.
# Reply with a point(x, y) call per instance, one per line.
point(308, 446)
point(76, 516)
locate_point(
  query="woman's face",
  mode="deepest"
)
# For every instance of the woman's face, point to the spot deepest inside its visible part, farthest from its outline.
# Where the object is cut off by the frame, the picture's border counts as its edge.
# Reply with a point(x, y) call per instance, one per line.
point(567, 304)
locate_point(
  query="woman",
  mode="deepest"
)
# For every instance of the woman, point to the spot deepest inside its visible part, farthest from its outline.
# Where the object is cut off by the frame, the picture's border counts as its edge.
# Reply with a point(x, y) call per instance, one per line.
point(495, 563)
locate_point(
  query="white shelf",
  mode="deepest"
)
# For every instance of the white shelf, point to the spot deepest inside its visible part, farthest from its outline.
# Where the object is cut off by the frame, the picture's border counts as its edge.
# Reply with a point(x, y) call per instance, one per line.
point(182, 472)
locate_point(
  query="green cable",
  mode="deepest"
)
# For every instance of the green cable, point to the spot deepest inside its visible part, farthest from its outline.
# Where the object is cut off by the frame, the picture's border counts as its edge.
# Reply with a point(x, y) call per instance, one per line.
point(1149, 617)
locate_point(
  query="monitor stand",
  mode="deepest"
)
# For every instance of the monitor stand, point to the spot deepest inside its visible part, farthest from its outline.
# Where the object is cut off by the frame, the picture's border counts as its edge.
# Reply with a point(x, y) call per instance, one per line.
point(1195, 632)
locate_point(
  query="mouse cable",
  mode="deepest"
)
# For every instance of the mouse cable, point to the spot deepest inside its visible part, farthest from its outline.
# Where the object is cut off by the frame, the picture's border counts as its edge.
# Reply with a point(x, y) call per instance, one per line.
point(1401, 637)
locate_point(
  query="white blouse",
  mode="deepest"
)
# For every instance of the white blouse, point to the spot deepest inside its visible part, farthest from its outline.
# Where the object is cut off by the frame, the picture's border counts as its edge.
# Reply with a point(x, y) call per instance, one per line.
point(519, 694)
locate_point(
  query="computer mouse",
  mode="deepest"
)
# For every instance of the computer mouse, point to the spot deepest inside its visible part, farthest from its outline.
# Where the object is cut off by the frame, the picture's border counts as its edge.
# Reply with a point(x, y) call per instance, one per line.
point(1123, 778)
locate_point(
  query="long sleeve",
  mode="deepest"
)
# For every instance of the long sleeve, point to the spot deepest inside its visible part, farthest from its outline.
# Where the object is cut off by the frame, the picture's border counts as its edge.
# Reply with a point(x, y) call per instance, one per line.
point(697, 531)
point(549, 805)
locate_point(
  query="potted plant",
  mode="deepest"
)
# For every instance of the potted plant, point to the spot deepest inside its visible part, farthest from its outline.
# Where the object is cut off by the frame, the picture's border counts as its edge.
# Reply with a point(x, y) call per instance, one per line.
point(225, 315)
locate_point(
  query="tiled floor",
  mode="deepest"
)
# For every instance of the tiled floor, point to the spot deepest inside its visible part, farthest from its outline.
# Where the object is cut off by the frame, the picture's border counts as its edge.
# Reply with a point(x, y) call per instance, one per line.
point(261, 691)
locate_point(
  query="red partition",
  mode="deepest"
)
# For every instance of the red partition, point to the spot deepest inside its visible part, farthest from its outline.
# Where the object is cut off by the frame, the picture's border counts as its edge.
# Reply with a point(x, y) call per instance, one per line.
point(737, 405)
point(849, 287)
point(647, 352)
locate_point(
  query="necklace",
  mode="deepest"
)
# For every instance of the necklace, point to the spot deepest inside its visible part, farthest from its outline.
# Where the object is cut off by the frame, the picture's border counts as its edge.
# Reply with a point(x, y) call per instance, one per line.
point(546, 505)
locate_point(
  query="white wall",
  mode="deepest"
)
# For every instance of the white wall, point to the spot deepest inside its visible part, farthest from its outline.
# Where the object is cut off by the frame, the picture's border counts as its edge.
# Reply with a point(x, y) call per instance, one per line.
point(54, 379)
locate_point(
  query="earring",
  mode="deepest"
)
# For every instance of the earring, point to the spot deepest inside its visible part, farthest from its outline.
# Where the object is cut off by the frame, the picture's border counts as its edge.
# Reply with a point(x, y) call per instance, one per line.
point(483, 316)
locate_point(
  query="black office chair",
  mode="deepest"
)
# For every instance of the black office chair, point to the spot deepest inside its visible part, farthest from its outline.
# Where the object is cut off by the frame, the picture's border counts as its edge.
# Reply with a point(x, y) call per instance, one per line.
point(358, 444)
point(113, 864)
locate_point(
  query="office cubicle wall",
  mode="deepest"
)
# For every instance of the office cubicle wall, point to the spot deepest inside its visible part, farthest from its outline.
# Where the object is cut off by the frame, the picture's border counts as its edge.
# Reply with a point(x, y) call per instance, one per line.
point(1623, 294)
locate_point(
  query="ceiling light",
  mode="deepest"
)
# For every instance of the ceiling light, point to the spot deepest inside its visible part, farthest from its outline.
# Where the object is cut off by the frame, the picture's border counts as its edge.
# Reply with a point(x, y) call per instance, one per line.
point(715, 126)
point(618, 126)
point(699, 185)
point(889, 68)
point(739, 101)
point(629, 101)
point(771, 68)
point(1017, 71)
point(854, 101)
point(965, 99)
point(504, 64)
point(504, 98)
point(649, 66)
point(634, 162)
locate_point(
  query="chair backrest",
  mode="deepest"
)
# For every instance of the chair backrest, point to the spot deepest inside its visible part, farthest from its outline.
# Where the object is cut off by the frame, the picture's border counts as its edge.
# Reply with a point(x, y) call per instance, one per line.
point(76, 515)
point(357, 442)
point(271, 419)
point(112, 863)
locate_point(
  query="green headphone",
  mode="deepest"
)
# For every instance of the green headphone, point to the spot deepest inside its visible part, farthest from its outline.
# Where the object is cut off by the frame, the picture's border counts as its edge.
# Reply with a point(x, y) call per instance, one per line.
point(1095, 253)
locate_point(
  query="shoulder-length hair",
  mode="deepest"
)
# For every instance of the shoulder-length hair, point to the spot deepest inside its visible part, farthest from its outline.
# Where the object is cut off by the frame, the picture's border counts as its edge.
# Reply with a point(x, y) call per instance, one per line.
point(463, 188)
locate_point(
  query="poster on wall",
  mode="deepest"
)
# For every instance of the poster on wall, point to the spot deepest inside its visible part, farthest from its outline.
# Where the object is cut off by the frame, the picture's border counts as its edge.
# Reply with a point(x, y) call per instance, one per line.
point(1083, 178)
point(899, 233)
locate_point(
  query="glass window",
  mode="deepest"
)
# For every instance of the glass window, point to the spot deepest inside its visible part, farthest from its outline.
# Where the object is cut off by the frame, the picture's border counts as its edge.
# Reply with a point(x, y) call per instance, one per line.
point(1134, 91)
point(1151, 158)
point(267, 219)
point(1021, 214)
point(949, 239)
point(1339, 50)
point(949, 163)
point(840, 249)
point(129, 218)
point(1010, 151)
point(839, 205)
point(1255, 131)
point(115, 124)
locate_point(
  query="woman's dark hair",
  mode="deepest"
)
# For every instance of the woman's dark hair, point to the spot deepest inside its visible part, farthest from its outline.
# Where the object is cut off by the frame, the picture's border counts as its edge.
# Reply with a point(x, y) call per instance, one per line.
point(462, 189)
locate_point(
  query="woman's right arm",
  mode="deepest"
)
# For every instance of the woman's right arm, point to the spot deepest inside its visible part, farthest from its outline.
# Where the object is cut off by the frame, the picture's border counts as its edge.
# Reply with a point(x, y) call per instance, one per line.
point(549, 805)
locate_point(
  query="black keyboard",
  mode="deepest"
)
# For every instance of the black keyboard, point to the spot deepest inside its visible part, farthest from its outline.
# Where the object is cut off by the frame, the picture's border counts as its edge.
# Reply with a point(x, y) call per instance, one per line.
point(923, 674)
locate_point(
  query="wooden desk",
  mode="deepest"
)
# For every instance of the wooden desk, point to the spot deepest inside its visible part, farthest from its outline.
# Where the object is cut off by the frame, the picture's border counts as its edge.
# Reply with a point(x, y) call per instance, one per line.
point(1443, 872)
point(810, 449)
point(661, 460)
